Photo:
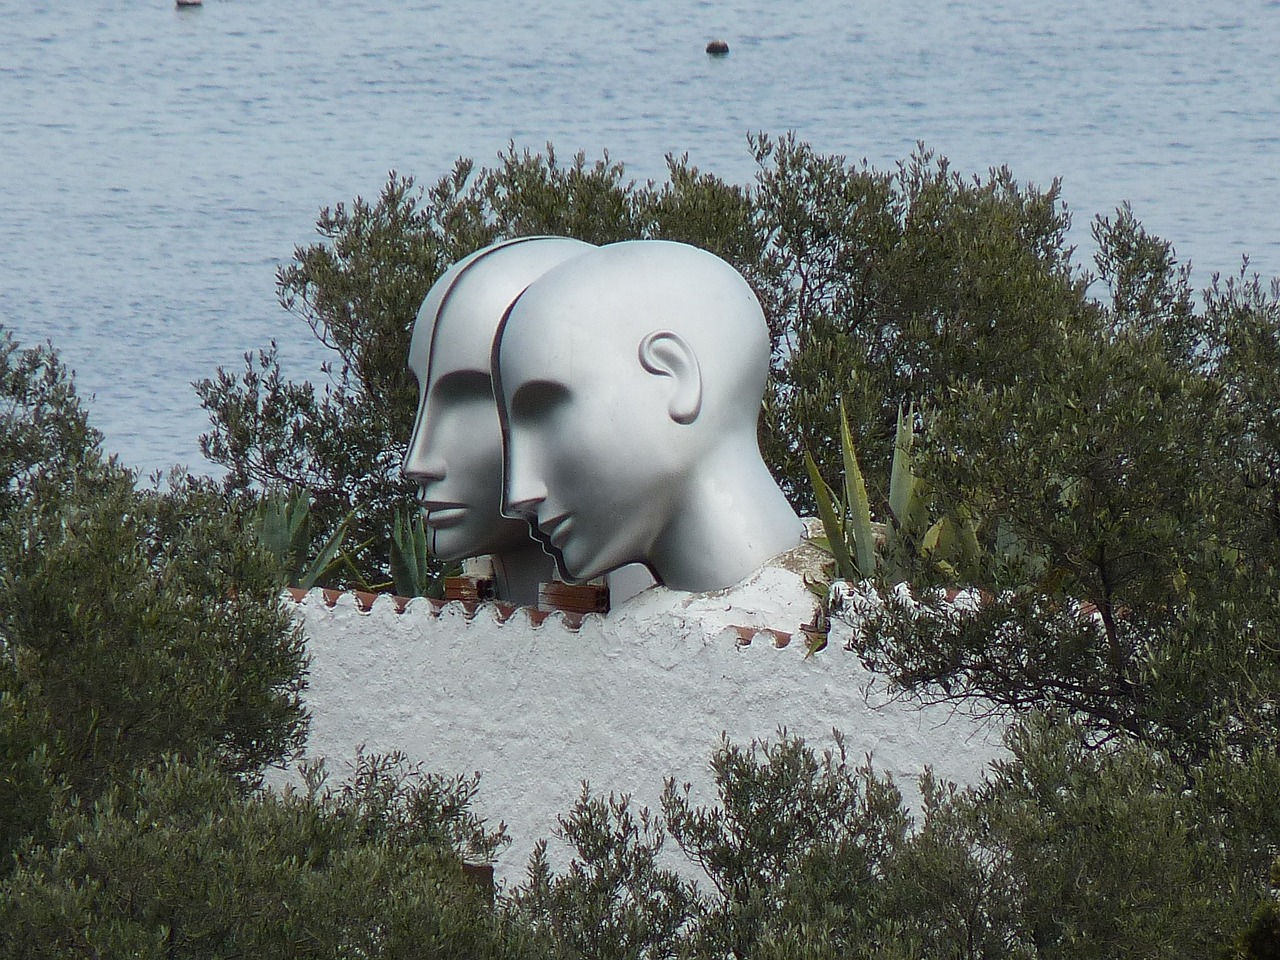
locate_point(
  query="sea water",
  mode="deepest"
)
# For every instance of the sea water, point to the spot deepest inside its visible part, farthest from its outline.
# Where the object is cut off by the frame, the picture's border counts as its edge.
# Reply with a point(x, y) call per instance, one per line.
point(157, 165)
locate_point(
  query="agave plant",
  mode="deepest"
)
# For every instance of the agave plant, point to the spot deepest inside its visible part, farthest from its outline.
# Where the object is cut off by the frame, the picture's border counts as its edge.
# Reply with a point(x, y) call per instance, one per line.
point(284, 526)
point(411, 570)
point(863, 549)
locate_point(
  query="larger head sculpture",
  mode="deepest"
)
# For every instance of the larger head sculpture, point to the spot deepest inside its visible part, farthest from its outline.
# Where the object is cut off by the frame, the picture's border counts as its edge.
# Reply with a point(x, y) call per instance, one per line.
point(455, 454)
point(630, 380)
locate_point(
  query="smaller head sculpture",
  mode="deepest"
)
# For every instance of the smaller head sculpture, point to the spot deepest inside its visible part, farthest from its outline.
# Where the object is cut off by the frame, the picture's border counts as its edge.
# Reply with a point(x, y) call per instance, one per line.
point(455, 454)
point(630, 380)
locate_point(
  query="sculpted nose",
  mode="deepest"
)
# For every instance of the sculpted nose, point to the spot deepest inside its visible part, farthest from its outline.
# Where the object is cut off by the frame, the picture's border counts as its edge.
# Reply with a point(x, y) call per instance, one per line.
point(523, 488)
point(521, 496)
point(421, 464)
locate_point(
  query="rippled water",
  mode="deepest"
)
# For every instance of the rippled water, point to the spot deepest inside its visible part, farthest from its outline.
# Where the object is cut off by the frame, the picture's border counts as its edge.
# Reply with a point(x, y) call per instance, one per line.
point(157, 165)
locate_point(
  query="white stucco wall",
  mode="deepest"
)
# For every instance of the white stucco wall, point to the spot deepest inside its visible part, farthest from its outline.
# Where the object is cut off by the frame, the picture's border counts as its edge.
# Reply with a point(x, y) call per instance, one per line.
point(623, 702)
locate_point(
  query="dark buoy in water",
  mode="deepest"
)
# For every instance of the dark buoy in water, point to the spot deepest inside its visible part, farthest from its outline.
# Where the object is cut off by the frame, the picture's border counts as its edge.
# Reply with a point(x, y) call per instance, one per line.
point(718, 48)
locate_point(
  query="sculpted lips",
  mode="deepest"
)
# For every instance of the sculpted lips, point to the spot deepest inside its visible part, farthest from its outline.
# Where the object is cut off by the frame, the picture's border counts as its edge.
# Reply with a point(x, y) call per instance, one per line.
point(440, 515)
point(557, 530)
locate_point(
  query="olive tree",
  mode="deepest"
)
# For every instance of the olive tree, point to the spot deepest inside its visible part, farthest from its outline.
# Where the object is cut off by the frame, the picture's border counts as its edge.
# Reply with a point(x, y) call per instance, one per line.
point(1062, 850)
point(1129, 574)
point(174, 860)
point(133, 623)
point(893, 287)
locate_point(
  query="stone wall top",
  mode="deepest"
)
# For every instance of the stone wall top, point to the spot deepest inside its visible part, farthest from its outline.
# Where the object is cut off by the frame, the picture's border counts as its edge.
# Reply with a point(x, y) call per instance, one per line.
point(540, 702)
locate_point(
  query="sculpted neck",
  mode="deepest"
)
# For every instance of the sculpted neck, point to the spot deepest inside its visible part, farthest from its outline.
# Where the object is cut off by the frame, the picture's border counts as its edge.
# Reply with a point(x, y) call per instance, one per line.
point(733, 519)
point(517, 574)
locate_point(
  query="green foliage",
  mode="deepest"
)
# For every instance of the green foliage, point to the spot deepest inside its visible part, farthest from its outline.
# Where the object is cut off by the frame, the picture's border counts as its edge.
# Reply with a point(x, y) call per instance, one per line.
point(1103, 849)
point(850, 536)
point(46, 442)
point(1064, 851)
point(796, 850)
point(1123, 497)
point(284, 525)
point(128, 636)
point(1260, 940)
point(906, 544)
point(359, 294)
point(148, 673)
point(1242, 333)
point(896, 287)
point(411, 569)
point(176, 861)
point(616, 899)
point(528, 194)
point(1150, 293)
point(793, 851)
point(133, 623)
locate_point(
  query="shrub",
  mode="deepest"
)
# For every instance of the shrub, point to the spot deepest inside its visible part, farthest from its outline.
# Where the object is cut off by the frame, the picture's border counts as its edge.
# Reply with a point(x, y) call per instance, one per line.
point(132, 623)
point(176, 861)
point(895, 287)
point(1063, 850)
point(1122, 488)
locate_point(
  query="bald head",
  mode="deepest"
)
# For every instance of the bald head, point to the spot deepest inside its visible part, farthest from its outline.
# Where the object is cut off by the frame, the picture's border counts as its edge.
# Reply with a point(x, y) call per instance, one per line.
point(455, 454)
point(630, 382)
point(461, 312)
point(640, 306)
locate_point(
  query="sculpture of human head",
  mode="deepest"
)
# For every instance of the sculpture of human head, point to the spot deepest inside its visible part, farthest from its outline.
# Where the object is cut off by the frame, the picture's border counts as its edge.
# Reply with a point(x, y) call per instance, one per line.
point(455, 454)
point(630, 381)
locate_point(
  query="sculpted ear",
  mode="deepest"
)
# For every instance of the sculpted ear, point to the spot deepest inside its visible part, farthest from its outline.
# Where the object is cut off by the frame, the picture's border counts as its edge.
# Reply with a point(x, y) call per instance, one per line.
point(666, 354)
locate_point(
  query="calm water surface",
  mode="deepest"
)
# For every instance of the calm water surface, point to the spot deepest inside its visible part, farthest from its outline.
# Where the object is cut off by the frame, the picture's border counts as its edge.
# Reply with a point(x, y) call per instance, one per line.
point(158, 165)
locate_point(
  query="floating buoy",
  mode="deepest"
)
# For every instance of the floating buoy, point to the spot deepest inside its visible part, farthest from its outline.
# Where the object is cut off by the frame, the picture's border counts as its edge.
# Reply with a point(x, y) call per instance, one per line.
point(718, 48)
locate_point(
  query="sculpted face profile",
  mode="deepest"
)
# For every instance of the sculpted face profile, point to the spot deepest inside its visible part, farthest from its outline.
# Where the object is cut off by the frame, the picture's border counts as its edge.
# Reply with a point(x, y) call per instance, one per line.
point(630, 380)
point(455, 454)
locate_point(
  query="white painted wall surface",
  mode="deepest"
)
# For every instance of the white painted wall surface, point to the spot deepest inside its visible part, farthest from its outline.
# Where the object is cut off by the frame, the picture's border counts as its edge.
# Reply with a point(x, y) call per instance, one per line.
point(623, 702)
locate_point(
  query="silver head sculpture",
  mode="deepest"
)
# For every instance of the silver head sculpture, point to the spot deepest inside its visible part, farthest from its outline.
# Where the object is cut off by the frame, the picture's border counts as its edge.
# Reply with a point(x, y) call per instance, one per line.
point(630, 380)
point(455, 454)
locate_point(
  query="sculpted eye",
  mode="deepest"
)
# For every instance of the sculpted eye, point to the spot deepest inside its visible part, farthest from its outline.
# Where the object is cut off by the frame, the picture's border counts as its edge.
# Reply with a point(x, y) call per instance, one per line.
point(462, 385)
point(537, 400)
